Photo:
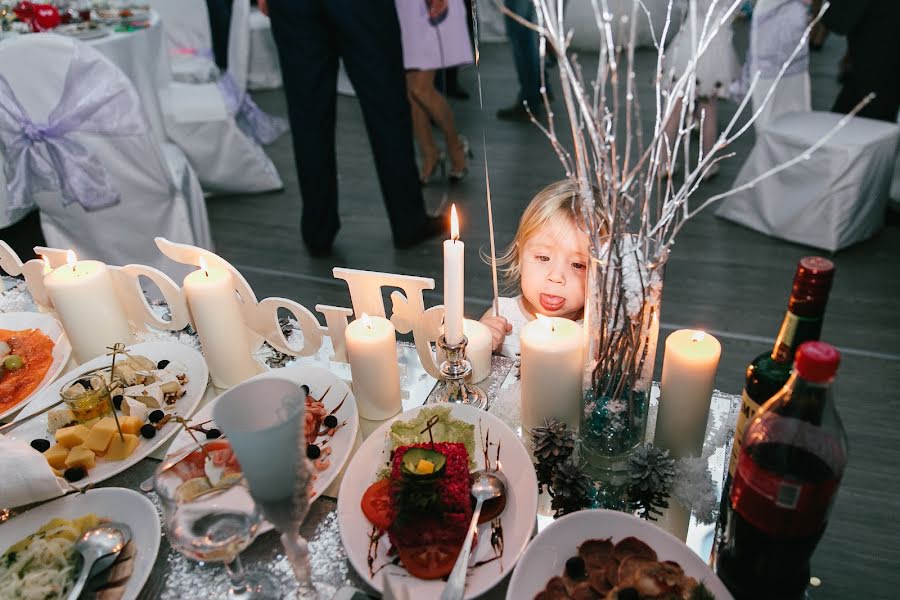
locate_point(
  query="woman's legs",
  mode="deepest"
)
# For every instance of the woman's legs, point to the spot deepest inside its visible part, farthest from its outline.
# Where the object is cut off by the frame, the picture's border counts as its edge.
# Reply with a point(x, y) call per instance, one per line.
point(421, 129)
point(434, 106)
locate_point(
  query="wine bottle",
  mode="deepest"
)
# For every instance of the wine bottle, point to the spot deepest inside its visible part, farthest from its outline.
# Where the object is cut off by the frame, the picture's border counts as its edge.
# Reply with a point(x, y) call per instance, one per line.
point(769, 371)
point(793, 457)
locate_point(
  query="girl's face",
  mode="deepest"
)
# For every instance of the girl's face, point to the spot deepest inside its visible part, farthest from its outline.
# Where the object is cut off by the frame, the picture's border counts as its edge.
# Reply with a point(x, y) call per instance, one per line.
point(554, 266)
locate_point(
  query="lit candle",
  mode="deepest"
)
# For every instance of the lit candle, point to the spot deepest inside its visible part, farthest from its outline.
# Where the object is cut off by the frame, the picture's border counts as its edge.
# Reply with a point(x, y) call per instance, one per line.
point(85, 301)
point(478, 349)
point(688, 378)
point(372, 352)
point(551, 371)
point(217, 317)
point(453, 282)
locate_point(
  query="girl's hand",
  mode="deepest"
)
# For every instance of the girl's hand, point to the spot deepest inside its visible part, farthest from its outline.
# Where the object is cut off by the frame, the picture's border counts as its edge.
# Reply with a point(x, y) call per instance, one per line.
point(436, 8)
point(499, 328)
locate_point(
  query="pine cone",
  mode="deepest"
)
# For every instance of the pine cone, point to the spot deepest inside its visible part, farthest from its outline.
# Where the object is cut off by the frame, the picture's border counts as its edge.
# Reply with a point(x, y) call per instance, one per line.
point(651, 475)
point(572, 487)
point(553, 441)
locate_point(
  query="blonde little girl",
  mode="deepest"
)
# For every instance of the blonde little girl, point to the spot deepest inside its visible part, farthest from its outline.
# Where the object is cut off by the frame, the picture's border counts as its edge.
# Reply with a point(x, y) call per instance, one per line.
point(547, 261)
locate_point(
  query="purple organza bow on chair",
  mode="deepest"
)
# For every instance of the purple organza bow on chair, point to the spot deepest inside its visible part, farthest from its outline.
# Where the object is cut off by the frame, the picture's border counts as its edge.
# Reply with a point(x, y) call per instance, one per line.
point(43, 156)
point(260, 126)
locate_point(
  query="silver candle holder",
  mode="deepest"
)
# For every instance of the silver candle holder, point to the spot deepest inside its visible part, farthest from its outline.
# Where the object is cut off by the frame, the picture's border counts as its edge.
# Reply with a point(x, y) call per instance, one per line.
point(454, 371)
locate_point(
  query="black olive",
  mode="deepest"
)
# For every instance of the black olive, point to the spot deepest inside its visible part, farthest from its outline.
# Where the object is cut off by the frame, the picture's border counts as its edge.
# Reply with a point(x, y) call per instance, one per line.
point(162, 364)
point(313, 452)
point(575, 567)
point(148, 431)
point(213, 433)
point(117, 401)
point(85, 383)
point(305, 389)
point(628, 593)
point(330, 421)
point(156, 416)
point(75, 473)
point(40, 444)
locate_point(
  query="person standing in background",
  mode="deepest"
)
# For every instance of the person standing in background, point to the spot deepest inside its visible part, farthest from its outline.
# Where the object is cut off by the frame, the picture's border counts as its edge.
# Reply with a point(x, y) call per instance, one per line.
point(873, 55)
point(219, 24)
point(526, 56)
point(311, 35)
point(435, 36)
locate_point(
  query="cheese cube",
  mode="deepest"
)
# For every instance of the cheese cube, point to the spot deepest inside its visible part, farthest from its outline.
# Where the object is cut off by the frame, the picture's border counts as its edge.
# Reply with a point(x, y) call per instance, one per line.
point(151, 396)
point(131, 424)
point(56, 456)
point(120, 449)
point(167, 381)
point(71, 436)
point(99, 438)
point(106, 424)
point(128, 375)
point(59, 418)
point(80, 456)
point(134, 408)
point(142, 362)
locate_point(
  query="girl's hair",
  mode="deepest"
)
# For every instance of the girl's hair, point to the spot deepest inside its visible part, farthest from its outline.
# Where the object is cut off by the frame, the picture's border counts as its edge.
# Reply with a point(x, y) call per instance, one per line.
point(551, 205)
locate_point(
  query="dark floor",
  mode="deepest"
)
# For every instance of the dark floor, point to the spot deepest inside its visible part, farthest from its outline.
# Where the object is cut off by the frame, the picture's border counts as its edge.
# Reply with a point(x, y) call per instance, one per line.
point(721, 277)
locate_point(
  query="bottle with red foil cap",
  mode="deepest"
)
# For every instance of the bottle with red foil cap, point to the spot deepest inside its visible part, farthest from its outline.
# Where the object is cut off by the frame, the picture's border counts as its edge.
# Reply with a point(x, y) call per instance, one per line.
point(793, 457)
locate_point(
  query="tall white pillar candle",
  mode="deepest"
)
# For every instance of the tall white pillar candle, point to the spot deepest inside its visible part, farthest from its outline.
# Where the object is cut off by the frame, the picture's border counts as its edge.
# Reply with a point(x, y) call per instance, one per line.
point(372, 352)
point(478, 349)
point(217, 317)
point(454, 270)
point(688, 378)
point(551, 370)
point(85, 300)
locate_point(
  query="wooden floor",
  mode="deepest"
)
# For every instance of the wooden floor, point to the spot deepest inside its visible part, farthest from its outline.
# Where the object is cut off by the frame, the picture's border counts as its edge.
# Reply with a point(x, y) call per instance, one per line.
point(721, 277)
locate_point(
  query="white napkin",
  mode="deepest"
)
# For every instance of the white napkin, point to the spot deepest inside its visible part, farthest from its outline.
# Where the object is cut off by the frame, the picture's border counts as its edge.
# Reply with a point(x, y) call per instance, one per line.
point(394, 589)
point(25, 474)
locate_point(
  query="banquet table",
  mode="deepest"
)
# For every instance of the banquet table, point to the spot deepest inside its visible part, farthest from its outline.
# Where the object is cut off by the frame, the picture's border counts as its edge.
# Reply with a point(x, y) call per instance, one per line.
point(176, 577)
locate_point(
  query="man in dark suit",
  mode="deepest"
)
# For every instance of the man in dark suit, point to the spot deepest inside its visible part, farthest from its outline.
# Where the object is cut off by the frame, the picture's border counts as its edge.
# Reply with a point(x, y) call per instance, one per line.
point(311, 35)
point(873, 54)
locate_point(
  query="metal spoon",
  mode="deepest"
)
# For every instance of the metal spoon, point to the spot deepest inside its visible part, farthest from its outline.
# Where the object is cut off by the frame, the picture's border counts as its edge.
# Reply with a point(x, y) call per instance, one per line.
point(99, 547)
point(485, 487)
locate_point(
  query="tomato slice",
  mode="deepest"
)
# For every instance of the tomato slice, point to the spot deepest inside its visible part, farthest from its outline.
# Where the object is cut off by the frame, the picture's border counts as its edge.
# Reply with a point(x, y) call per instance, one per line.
point(429, 561)
point(376, 504)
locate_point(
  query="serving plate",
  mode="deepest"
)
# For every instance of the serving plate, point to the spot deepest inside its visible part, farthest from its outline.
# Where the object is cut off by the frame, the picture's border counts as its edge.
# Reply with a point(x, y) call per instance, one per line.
point(62, 349)
point(517, 520)
point(185, 357)
point(319, 381)
point(113, 504)
point(547, 554)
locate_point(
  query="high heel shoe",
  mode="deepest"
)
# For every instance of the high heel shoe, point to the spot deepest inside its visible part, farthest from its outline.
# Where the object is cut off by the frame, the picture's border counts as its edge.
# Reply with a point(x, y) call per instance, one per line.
point(458, 175)
point(439, 165)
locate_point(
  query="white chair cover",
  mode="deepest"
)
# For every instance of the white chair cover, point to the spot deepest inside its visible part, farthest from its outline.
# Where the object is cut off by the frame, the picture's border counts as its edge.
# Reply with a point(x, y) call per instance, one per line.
point(188, 39)
point(218, 125)
point(87, 158)
point(265, 71)
point(580, 19)
point(835, 198)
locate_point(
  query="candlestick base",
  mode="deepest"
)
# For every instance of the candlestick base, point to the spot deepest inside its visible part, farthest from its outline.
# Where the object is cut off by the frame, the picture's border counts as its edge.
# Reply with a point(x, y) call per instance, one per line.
point(454, 371)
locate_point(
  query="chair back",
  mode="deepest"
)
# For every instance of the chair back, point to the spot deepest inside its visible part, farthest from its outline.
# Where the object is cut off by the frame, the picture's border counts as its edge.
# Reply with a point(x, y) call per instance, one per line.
point(239, 43)
point(75, 142)
point(186, 23)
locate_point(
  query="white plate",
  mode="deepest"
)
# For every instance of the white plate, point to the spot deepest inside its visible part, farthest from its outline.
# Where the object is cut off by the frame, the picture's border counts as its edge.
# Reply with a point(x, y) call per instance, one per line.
point(62, 349)
point(114, 504)
point(547, 554)
point(518, 518)
point(318, 380)
point(183, 356)
point(82, 33)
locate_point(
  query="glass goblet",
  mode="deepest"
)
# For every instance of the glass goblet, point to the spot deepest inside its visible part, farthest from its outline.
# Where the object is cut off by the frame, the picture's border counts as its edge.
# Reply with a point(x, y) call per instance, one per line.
point(210, 516)
point(263, 418)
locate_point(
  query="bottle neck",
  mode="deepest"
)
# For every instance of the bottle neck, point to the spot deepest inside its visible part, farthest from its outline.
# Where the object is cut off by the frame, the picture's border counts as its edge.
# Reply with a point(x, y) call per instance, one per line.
point(796, 329)
point(803, 400)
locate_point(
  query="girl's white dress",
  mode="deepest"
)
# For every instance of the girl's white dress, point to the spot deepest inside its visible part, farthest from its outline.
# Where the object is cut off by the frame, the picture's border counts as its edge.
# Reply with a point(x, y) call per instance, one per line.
point(511, 310)
point(427, 47)
point(718, 66)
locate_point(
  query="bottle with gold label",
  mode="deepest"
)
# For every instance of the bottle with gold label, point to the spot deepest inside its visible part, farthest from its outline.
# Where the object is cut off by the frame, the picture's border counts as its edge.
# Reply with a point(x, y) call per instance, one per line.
point(769, 371)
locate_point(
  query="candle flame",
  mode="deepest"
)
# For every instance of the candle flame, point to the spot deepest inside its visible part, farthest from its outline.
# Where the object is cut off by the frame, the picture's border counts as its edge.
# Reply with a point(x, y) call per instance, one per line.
point(71, 259)
point(698, 336)
point(47, 267)
point(366, 321)
point(204, 265)
point(454, 223)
